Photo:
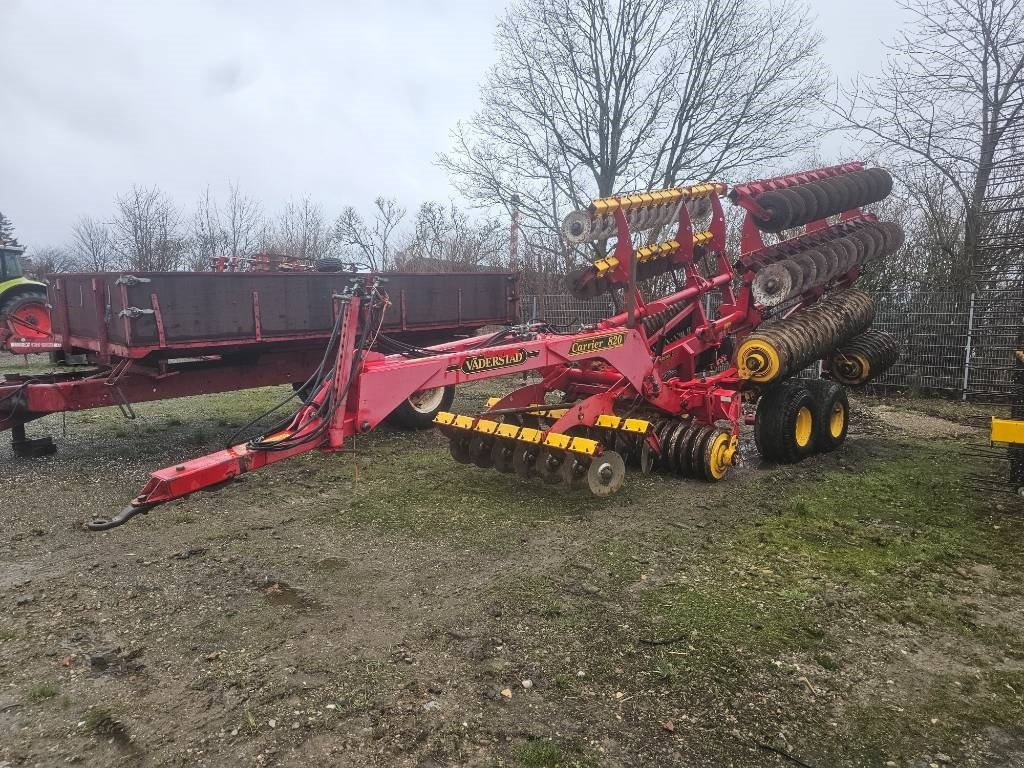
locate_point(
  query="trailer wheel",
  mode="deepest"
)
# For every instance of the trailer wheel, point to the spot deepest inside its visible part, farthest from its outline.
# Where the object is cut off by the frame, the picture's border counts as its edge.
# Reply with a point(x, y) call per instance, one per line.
point(419, 410)
point(784, 426)
point(831, 417)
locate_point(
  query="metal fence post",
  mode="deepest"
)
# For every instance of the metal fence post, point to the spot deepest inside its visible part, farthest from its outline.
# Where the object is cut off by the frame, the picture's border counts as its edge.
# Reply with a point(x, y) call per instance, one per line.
point(967, 352)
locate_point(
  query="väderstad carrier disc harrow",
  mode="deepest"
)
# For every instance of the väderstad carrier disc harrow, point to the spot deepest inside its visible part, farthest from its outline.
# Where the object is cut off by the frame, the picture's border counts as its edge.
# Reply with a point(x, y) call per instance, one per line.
point(661, 383)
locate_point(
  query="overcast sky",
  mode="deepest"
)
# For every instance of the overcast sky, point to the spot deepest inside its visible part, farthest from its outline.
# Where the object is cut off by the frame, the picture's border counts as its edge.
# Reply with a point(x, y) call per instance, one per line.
point(340, 100)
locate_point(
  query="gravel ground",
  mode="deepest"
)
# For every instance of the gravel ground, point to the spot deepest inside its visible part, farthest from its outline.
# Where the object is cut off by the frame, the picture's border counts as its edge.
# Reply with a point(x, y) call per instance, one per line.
point(390, 607)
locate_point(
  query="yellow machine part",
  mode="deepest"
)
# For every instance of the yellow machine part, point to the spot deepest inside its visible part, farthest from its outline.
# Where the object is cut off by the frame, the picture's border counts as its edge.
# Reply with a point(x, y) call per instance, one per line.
point(719, 455)
point(539, 437)
point(512, 432)
point(605, 205)
point(757, 359)
point(803, 427)
point(1007, 431)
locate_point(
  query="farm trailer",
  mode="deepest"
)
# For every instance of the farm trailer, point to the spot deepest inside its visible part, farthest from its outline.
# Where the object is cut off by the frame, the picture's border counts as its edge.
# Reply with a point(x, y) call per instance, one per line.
point(160, 335)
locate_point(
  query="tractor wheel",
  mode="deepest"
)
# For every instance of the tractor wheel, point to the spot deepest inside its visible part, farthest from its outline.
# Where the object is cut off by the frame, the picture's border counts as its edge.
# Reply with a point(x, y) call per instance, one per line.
point(26, 316)
point(419, 410)
point(831, 415)
point(784, 424)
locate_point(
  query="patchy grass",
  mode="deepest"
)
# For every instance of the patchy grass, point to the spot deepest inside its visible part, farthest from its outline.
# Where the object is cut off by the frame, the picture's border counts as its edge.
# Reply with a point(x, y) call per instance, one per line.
point(540, 753)
point(103, 723)
point(40, 692)
point(885, 535)
point(400, 485)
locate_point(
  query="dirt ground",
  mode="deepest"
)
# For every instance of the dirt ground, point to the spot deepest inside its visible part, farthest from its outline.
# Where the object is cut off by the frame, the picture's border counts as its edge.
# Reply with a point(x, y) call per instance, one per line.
point(389, 607)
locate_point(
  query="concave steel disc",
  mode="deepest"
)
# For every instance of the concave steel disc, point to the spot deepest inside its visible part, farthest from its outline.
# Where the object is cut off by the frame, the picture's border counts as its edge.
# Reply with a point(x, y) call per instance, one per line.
point(606, 473)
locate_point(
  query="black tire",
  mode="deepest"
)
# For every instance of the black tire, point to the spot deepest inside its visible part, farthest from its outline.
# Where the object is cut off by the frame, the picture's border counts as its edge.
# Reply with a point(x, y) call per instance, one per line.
point(329, 264)
point(784, 424)
point(831, 415)
point(833, 194)
point(770, 403)
point(410, 415)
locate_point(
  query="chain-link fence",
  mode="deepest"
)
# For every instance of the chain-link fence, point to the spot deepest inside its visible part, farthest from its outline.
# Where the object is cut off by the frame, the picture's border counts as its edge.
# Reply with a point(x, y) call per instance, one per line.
point(952, 344)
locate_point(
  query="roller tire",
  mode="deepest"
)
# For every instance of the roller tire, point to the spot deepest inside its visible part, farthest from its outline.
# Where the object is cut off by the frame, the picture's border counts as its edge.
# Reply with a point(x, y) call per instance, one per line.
point(833, 195)
point(883, 181)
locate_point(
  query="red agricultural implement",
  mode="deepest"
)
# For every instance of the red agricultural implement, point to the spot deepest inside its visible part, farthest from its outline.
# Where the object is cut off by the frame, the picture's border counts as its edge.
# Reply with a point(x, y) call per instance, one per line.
point(661, 383)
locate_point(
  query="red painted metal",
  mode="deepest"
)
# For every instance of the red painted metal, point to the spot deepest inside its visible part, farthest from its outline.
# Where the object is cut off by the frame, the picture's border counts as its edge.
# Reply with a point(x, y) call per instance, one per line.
point(33, 397)
point(211, 313)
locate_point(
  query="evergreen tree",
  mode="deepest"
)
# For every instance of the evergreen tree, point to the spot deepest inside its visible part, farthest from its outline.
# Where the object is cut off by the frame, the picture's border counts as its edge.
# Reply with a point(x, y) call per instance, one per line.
point(7, 231)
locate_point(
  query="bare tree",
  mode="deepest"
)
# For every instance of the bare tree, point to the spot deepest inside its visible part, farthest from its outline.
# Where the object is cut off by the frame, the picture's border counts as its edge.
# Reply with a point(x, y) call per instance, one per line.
point(950, 96)
point(301, 230)
point(51, 259)
point(207, 237)
point(234, 229)
point(146, 232)
point(91, 244)
point(444, 238)
point(373, 246)
point(243, 222)
point(590, 97)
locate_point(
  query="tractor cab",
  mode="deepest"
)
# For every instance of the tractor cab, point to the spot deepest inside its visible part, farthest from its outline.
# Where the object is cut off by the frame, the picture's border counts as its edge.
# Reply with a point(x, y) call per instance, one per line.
point(10, 264)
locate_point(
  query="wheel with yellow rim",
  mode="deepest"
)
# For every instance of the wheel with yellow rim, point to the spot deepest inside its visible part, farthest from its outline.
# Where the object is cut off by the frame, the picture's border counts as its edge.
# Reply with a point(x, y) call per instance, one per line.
point(718, 456)
point(832, 411)
point(785, 423)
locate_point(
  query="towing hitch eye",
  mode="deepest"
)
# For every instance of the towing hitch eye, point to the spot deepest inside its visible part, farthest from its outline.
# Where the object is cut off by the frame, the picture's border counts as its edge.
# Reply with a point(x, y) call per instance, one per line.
point(122, 517)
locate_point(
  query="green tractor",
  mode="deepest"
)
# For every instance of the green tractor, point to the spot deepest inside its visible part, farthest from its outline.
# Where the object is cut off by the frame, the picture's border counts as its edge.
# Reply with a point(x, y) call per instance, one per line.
point(23, 312)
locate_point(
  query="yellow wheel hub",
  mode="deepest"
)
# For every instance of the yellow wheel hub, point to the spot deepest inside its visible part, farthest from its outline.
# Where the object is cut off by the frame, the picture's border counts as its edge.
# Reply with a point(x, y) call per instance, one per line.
point(837, 420)
point(758, 360)
point(719, 455)
point(803, 427)
point(852, 369)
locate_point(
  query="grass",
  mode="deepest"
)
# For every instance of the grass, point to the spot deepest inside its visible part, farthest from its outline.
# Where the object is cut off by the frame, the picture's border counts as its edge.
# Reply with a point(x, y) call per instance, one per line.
point(539, 753)
point(823, 573)
point(41, 692)
point(102, 722)
point(885, 535)
point(402, 485)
